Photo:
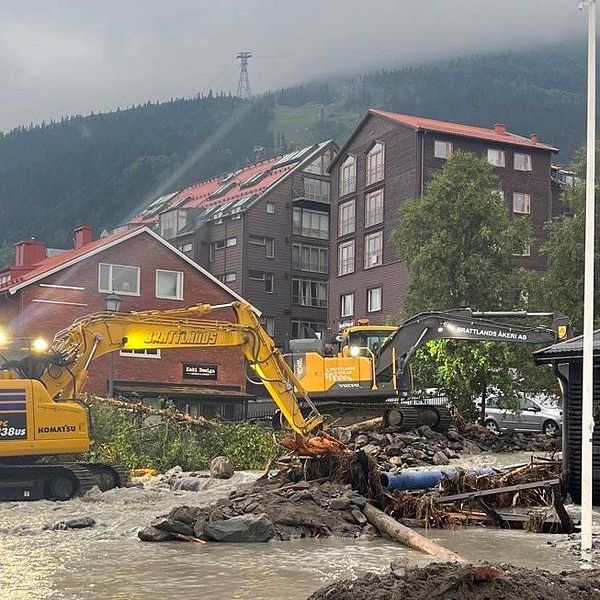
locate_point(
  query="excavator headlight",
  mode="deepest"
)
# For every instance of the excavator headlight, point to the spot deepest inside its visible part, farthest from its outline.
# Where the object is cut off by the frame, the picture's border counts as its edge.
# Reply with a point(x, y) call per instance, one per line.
point(40, 345)
point(354, 351)
point(3, 337)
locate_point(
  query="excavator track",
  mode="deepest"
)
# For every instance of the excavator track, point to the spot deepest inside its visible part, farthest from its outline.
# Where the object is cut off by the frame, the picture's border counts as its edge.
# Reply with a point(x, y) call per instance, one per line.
point(439, 418)
point(109, 475)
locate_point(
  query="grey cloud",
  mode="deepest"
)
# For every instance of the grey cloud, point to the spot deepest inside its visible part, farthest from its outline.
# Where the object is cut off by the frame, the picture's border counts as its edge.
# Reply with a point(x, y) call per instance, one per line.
point(74, 56)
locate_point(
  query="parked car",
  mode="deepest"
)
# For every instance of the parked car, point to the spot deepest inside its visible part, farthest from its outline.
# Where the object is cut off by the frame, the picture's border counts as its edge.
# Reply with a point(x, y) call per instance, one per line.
point(536, 416)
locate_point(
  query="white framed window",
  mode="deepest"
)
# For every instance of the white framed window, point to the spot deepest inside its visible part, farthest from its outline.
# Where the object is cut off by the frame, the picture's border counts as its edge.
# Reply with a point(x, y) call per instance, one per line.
point(268, 243)
point(374, 299)
point(521, 203)
point(118, 279)
point(169, 284)
point(376, 163)
point(270, 208)
point(346, 305)
point(348, 176)
point(310, 223)
point(228, 277)
point(145, 353)
point(496, 158)
point(346, 258)
point(346, 217)
point(269, 324)
point(374, 250)
point(442, 149)
point(523, 162)
point(374, 208)
point(310, 258)
point(186, 248)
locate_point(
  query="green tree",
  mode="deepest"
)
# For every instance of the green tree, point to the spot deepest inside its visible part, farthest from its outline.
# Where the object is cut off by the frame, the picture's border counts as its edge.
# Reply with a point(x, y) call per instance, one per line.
point(458, 242)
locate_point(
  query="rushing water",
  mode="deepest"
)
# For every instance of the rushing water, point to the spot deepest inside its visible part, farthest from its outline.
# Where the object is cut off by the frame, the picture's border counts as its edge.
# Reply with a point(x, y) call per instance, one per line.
point(108, 561)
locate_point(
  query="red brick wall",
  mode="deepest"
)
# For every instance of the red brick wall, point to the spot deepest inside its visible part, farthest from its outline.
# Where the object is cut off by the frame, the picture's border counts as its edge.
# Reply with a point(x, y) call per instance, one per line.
point(30, 317)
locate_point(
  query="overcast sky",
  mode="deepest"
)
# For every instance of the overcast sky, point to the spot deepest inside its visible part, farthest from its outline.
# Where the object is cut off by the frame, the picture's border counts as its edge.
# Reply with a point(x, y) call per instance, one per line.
point(59, 57)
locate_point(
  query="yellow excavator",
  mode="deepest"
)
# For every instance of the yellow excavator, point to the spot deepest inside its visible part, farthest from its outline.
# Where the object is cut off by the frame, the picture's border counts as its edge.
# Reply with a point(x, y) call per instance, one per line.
point(371, 372)
point(40, 415)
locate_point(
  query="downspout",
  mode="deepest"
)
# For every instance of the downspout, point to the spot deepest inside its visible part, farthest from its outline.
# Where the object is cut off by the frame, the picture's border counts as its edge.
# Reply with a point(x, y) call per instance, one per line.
point(563, 383)
point(424, 133)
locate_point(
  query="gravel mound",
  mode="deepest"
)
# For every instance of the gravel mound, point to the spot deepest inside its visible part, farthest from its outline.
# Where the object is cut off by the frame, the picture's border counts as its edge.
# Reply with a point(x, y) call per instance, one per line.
point(449, 581)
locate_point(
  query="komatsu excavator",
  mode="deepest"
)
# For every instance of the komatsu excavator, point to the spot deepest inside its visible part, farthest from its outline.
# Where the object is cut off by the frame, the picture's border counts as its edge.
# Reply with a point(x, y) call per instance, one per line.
point(371, 373)
point(40, 415)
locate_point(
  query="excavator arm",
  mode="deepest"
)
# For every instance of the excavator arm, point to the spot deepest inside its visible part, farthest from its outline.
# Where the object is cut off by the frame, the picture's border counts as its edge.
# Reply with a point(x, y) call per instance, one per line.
point(401, 346)
point(65, 369)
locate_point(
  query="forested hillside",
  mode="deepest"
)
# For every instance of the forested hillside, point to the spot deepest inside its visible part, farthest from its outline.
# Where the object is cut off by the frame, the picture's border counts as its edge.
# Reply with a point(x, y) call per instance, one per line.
point(97, 169)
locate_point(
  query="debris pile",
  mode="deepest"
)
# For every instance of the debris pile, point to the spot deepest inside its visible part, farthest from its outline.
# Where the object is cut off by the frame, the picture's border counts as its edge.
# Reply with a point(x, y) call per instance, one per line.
point(396, 450)
point(462, 582)
point(268, 509)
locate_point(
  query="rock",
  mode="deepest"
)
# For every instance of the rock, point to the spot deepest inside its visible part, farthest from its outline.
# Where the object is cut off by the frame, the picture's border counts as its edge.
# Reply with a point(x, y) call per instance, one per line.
point(358, 517)
point(378, 437)
point(361, 440)
point(246, 528)
point(186, 514)
point(426, 432)
point(75, 523)
point(408, 438)
point(300, 495)
point(172, 526)
point(420, 455)
point(152, 534)
point(199, 528)
point(221, 468)
point(359, 501)
point(396, 461)
point(401, 566)
point(342, 434)
point(174, 471)
point(395, 449)
point(186, 484)
point(470, 447)
point(439, 458)
point(341, 503)
point(371, 449)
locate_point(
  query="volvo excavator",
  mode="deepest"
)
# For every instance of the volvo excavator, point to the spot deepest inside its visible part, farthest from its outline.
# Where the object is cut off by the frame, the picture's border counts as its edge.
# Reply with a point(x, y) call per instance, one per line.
point(40, 415)
point(371, 373)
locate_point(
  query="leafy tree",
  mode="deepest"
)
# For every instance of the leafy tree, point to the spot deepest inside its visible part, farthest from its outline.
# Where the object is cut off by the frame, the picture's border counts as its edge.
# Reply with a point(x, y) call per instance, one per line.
point(458, 242)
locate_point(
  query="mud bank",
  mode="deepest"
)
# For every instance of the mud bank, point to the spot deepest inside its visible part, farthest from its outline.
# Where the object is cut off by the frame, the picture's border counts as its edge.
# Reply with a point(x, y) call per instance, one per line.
point(457, 582)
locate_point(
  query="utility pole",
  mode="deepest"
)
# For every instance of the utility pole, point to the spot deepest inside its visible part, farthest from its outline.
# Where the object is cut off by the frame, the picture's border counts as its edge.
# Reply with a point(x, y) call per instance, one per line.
point(243, 90)
point(587, 415)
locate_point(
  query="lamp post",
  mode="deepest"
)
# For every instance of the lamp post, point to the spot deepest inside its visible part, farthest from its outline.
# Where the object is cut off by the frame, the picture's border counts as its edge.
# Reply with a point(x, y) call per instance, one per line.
point(587, 416)
point(113, 304)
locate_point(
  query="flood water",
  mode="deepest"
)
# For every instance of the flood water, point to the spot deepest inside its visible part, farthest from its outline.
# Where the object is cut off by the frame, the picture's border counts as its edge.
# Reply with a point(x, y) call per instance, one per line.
point(108, 561)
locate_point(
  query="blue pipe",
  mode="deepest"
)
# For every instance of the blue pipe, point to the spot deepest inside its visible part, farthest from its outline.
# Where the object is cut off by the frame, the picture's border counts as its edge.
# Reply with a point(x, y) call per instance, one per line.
point(421, 480)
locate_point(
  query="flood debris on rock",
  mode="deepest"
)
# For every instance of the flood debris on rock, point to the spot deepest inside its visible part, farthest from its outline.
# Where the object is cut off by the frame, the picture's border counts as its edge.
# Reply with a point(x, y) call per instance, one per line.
point(465, 582)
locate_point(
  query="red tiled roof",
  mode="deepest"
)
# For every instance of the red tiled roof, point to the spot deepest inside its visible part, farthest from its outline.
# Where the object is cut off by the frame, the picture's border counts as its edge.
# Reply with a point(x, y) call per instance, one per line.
point(461, 130)
point(53, 262)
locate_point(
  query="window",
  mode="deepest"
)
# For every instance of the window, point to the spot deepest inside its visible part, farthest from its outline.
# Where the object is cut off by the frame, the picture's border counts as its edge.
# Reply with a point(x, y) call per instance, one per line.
point(320, 165)
point(262, 276)
point(373, 250)
point(347, 305)
point(374, 208)
point(522, 162)
point(521, 203)
point(375, 163)
point(496, 157)
point(346, 258)
point(316, 189)
point(172, 222)
point(442, 149)
point(269, 324)
point(119, 279)
point(186, 248)
point(145, 353)
point(310, 223)
point(268, 243)
point(309, 293)
point(228, 277)
point(346, 217)
point(270, 208)
point(310, 258)
point(307, 329)
point(219, 245)
point(169, 284)
point(374, 299)
point(348, 176)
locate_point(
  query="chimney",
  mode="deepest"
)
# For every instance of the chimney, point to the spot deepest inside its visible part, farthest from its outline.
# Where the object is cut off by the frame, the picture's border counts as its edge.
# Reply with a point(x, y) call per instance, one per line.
point(83, 236)
point(28, 253)
point(534, 138)
point(500, 128)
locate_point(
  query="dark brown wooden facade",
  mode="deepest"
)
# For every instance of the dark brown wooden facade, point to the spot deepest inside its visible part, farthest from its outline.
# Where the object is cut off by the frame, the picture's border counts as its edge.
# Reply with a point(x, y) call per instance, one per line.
point(409, 163)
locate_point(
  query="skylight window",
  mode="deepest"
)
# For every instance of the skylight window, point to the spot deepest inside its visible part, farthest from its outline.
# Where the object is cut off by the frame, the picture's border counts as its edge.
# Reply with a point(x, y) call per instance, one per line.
point(222, 190)
point(254, 179)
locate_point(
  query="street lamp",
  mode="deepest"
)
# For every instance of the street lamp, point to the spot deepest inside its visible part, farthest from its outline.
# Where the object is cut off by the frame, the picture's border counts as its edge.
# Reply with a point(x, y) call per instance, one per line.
point(113, 304)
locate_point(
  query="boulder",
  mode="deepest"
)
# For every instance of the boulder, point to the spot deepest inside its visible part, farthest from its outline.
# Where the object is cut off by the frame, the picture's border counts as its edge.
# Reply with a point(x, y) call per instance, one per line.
point(358, 517)
point(395, 449)
point(74, 523)
point(174, 472)
point(221, 468)
point(396, 461)
point(172, 526)
point(246, 528)
point(341, 503)
point(426, 432)
point(186, 514)
point(152, 534)
point(361, 440)
point(186, 484)
point(439, 458)
point(371, 449)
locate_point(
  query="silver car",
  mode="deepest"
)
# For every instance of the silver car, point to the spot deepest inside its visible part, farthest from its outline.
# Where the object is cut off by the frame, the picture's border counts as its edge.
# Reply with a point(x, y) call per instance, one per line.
point(535, 416)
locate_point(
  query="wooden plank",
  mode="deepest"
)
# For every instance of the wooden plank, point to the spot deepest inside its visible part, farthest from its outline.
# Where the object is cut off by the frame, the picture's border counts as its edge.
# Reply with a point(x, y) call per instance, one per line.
point(496, 491)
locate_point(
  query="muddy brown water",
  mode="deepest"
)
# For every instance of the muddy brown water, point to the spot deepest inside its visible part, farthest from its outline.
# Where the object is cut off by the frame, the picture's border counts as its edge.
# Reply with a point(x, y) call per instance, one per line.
point(108, 561)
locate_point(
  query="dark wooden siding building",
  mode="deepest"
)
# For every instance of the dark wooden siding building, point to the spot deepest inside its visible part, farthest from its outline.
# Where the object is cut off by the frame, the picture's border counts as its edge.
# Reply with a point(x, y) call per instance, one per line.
point(388, 159)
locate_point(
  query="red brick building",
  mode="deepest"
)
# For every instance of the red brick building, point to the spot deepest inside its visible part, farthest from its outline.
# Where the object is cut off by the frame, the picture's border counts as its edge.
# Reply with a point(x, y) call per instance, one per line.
point(45, 290)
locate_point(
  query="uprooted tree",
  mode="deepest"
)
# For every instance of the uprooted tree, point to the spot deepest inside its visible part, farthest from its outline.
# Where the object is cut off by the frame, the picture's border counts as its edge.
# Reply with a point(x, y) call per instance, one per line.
point(459, 241)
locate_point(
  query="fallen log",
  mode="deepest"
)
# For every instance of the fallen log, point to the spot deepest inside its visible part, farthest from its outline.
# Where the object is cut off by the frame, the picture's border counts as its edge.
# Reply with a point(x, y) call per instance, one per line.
point(369, 425)
point(408, 537)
